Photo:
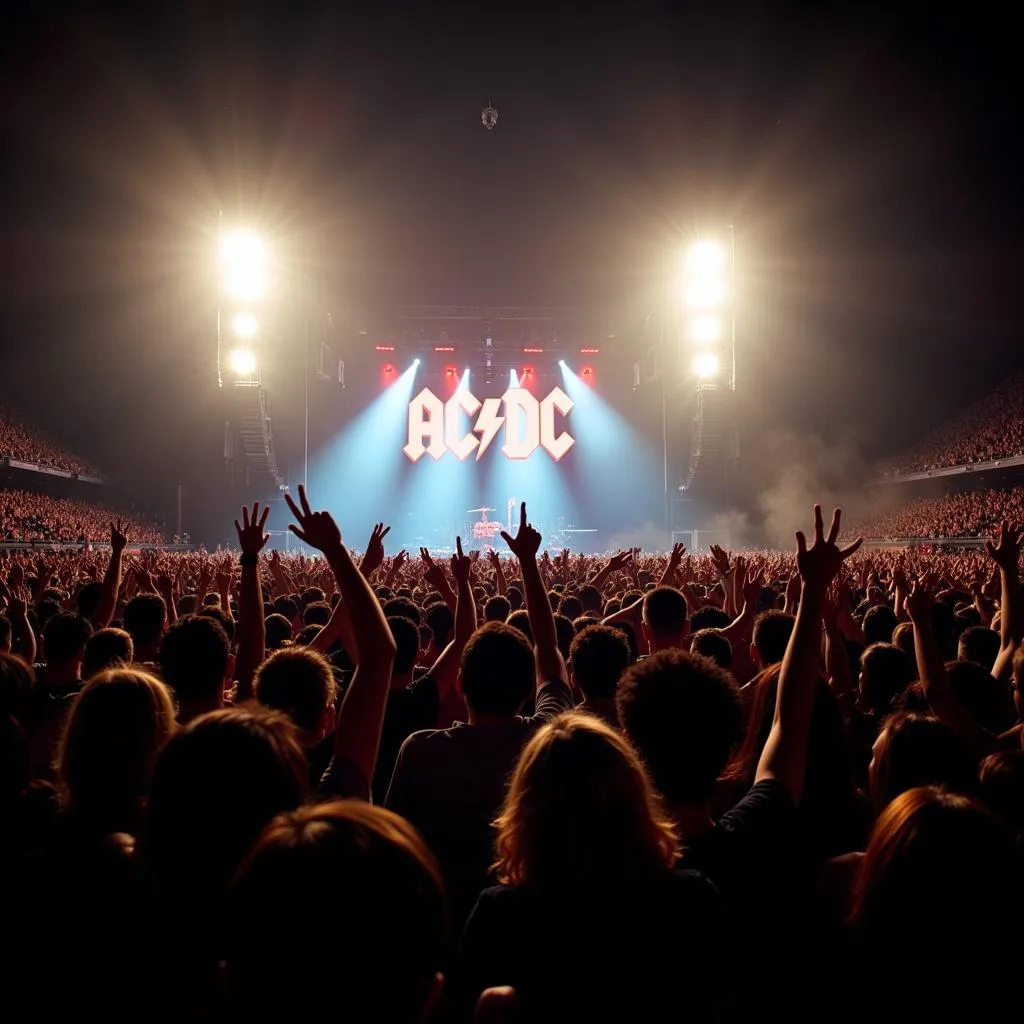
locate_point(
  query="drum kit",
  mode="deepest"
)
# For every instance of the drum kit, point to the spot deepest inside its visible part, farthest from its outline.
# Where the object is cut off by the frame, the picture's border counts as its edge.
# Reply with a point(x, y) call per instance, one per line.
point(484, 530)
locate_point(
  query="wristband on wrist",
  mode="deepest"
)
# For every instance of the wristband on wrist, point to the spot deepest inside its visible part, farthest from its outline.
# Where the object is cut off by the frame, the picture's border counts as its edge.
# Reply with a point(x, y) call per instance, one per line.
point(249, 559)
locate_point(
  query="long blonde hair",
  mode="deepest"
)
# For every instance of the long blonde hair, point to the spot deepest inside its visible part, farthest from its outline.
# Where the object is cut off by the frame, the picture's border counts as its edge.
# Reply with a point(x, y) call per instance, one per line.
point(113, 733)
point(580, 811)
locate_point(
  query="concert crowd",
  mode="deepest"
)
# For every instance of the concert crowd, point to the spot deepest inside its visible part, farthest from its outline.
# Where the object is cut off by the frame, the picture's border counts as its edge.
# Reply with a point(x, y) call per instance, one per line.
point(22, 440)
point(517, 785)
point(967, 514)
point(992, 428)
point(27, 516)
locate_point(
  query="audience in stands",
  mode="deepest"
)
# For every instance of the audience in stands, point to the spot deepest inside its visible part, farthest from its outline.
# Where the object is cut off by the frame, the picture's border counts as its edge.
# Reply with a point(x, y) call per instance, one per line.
point(968, 514)
point(992, 428)
point(25, 442)
point(25, 516)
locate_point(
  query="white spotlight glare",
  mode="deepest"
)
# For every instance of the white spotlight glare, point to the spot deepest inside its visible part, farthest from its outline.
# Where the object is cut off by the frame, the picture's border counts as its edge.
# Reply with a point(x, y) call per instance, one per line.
point(706, 365)
point(242, 362)
point(243, 261)
point(705, 293)
point(244, 325)
point(513, 380)
point(705, 329)
point(415, 363)
point(705, 258)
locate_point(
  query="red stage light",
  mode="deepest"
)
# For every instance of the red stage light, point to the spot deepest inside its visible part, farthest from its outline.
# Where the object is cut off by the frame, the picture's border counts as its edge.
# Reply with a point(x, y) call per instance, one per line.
point(388, 369)
point(533, 351)
point(444, 348)
point(385, 348)
point(590, 351)
point(588, 371)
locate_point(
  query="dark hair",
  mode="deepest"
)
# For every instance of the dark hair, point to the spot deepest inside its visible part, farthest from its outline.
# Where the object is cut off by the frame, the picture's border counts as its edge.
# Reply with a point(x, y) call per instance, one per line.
point(879, 624)
point(88, 598)
point(903, 638)
point(5, 630)
point(278, 631)
point(299, 682)
point(306, 636)
point(599, 656)
point(772, 630)
point(316, 613)
point(564, 633)
point(590, 598)
point(684, 715)
point(918, 750)
point(64, 637)
point(441, 621)
point(988, 699)
point(145, 617)
point(1002, 789)
point(311, 595)
point(194, 656)
point(665, 611)
point(17, 681)
point(709, 617)
point(286, 606)
point(217, 783)
point(107, 648)
point(520, 620)
point(404, 607)
point(980, 645)
point(497, 670)
point(885, 674)
point(497, 609)
point(570, 606)
point(515, 597)
point(713, 644)
point(407, 640)
point(226, 622)
point(377, 866)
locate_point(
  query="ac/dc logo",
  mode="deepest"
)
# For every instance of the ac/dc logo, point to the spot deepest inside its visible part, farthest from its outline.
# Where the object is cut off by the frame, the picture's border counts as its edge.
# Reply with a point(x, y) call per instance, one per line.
point(436, 427)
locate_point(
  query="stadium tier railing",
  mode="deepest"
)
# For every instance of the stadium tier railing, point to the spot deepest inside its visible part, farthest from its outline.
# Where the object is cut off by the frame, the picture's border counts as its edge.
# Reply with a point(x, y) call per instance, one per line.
point(35, 467)
point(56, 545)
point(1010, 462)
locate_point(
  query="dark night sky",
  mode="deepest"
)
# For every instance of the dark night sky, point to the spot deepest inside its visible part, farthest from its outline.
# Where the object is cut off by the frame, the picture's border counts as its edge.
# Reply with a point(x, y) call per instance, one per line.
point(868, 160)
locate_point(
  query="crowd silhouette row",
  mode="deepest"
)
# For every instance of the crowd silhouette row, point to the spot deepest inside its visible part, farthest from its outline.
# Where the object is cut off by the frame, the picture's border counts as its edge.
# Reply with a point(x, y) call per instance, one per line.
point(517, 786)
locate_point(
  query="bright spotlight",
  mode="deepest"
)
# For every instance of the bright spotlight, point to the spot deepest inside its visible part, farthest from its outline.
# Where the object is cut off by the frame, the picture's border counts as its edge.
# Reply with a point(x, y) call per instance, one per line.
point(464, 382)
point(513, 380)
point(705, 293)
point(562, 364)
point(242, 362)
point(243, 263)
point(705, 258)
point(244, 325)
point(705, 329)
point(416, 362)
point(705, 365)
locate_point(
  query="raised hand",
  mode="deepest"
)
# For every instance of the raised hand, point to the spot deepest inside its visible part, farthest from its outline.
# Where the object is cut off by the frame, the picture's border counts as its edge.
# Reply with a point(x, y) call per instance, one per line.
point(317, 529)
point(461, 564)
point(251, 537)
point(619, 561)
point(820, 564)
point(1006, 551)
point(526, 542)
point(374, 557)
point(118, 537)
point(920, 599)
point(753, 584)
point(720, 560)
point(494, 558)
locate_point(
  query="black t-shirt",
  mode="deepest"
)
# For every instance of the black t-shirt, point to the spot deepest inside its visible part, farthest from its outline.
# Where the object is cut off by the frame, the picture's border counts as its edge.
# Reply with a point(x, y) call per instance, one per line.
point(410, 710)
point(450, 783)
point(617, 954)
point(741, 853)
